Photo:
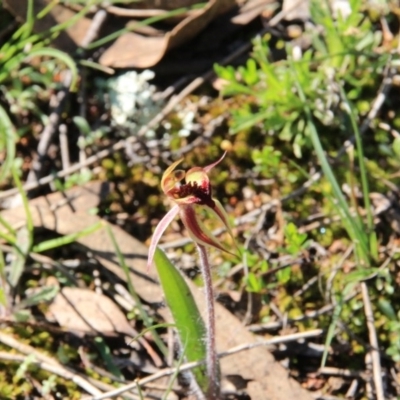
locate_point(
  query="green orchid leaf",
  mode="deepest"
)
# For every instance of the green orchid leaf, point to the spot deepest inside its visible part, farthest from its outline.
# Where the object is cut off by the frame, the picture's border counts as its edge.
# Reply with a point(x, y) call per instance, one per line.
point(188, 321)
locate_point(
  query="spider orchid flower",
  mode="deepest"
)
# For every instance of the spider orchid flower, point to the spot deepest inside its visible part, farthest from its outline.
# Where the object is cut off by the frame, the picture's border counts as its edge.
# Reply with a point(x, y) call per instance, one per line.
point(193, 193)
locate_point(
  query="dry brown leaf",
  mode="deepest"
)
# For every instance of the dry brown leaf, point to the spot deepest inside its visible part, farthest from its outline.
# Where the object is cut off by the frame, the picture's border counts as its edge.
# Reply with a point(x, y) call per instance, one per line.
point(134, 50)
point(85, 311)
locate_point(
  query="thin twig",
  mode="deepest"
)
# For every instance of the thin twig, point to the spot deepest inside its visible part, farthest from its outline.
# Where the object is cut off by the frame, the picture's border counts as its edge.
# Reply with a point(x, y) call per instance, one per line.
point(346, 373)
point(94, 28)
point(269, 342)
point(306, 286)
point(50, 364)
point(373, 340)
point(380, 98)
point(63, 138)
point(352, 390)
point(91, 34)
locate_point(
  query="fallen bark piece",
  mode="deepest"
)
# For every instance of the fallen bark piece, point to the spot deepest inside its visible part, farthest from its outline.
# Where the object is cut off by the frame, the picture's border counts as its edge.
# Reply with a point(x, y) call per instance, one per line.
point(84, 311)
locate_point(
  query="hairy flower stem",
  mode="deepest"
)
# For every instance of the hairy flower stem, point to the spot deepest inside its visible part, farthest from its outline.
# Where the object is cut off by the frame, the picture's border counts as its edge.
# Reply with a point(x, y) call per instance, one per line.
point(212, 362)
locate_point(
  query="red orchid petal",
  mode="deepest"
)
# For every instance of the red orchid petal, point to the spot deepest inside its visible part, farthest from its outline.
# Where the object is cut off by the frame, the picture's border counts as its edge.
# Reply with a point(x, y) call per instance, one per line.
point(160, 228)
point(197, 230)
point(220, 212)
point(209, 167)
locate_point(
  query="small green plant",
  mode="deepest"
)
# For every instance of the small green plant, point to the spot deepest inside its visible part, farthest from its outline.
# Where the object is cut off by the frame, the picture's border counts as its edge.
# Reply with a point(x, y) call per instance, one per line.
point(343, 55)
point(296, 242)
point(255, 281)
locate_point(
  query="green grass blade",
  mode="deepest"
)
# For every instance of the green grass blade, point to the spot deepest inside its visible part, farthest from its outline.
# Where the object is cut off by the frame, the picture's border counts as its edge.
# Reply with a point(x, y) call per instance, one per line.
point(7, 140)
point(69, 22)
point(331, 331)
point(106, 355)
point(63, 57)
point(30, 20)
point(7, 226)
point(96, 66)
point(363, 173)
point(24, 31)
point(186, 315)
point(152, 328)
point(10, 239)
point(67, 239)
point(140, 393)
point(340, 301)
point(41, 14)
point(355, 231)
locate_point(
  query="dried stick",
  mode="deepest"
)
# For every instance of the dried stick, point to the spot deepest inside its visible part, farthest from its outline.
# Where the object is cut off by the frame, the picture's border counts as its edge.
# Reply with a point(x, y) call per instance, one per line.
point(63, 138)
point(50, 364)
point(94, 28)
point(91, 34)
point(373, 340)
